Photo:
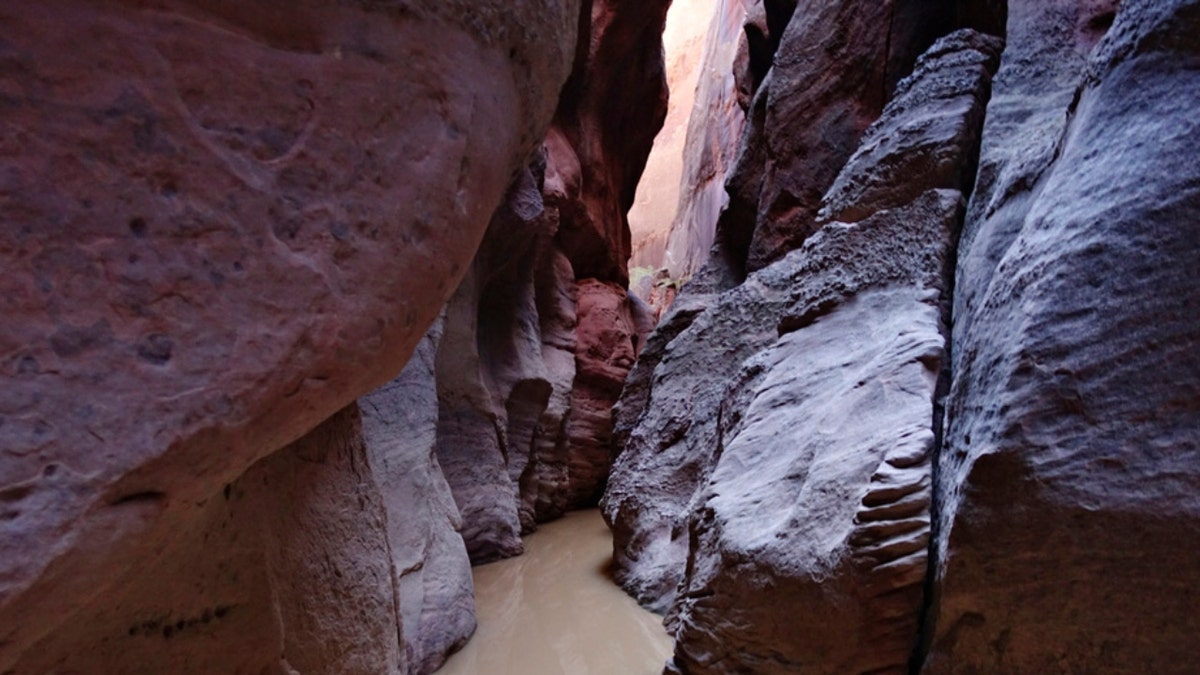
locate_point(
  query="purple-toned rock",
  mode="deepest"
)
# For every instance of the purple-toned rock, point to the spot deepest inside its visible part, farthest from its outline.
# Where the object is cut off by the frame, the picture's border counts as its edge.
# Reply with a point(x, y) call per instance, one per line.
point(222, 223)
point(429, 563)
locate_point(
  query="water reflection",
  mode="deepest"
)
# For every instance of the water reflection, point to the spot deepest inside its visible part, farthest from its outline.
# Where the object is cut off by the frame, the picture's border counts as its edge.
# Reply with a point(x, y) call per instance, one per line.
point(554, 611)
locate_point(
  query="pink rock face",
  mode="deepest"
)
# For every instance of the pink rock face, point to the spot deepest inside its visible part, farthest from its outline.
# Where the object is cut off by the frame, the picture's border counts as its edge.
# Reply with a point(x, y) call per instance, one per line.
point(685, 43)
point(713, 131)
point(231, 570)
point(607, 344)
point(609, 117)
point(221, 225)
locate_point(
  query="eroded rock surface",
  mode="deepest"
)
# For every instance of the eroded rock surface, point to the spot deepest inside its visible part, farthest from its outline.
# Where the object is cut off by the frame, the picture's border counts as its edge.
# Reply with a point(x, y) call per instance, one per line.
point(278, 568)
point(429, 562)
point(222, 223)
point(784, 443)
point(687, 37)
point(714, 128)
point(1069, 479)
point(541, 335)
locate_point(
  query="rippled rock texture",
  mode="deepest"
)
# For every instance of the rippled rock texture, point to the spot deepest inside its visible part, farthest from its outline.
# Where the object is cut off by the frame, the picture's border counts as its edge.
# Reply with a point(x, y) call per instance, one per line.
point(858, 443)
point(795, 475)
point(222, 224)
point(1071, 471)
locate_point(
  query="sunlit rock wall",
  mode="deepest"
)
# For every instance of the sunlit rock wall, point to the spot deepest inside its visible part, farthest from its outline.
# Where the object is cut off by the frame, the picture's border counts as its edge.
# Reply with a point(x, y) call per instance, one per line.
point(686, 40)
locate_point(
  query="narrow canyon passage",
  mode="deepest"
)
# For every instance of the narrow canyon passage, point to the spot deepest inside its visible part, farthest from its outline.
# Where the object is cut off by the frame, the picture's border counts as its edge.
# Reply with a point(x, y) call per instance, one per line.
point(555, 610)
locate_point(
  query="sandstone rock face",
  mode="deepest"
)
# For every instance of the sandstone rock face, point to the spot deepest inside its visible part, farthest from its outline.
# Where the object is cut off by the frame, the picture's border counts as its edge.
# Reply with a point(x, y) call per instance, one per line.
point(1070, 473)
point(778, 460)
point(608, 118)
point(526, 375)
point(714, 127)
point(686, 39)
point(817, 85)
point(230, 574)
point(541, 335)
point(429, 563)
point(206, 208)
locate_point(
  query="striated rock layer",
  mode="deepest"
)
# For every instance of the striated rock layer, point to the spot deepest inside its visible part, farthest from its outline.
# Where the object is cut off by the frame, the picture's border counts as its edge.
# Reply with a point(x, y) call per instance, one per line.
point(1069, 481)
point(224, 222)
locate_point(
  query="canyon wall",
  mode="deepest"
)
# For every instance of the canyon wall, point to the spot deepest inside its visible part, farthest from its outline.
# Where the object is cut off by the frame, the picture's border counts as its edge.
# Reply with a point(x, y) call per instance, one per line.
point(222, 225)
point(538, 339)
point(931, 403)
point(687, 32)
point(1069, 477)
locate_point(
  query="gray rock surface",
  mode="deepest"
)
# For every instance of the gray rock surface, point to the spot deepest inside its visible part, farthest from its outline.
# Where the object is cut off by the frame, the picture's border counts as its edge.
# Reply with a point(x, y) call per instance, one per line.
point(833, 69)
point(429, 561)
point(780, 466)
point(1070, 473)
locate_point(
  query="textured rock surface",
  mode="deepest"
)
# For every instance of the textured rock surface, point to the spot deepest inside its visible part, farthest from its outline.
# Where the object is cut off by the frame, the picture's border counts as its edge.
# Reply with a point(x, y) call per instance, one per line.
point(229, 575)
point(1071, 470)
point(542, 333)
point(668, 421)
point(714, 127)
point(687, 37)
point(784, 443)
point(826, 85)
point(607, 119)
point(205, 208)
point(429, 563)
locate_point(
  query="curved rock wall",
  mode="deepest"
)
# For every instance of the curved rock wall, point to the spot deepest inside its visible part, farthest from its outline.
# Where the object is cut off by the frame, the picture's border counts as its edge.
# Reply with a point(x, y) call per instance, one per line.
point(224, 222)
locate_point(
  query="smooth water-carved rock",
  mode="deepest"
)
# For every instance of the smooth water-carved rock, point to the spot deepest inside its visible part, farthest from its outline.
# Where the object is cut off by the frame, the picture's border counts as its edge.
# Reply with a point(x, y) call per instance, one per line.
point(712, 141)
point(541, 335)
point(687, 37)
point(223, 223)
point(1069, 479)
point(429, 563)
point(608, 117)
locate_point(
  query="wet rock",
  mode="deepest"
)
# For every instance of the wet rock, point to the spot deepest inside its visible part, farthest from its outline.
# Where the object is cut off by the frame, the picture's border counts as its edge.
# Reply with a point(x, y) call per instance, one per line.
point(1069, 475)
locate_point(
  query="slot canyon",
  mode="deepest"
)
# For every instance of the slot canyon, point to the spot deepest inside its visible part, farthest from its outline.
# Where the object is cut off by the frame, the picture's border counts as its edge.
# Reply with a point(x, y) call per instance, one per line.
point(599, 337)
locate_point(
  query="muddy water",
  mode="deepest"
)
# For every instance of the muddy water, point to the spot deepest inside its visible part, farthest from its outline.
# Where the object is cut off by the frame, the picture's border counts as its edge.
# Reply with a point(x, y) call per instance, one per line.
point(554, 611)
